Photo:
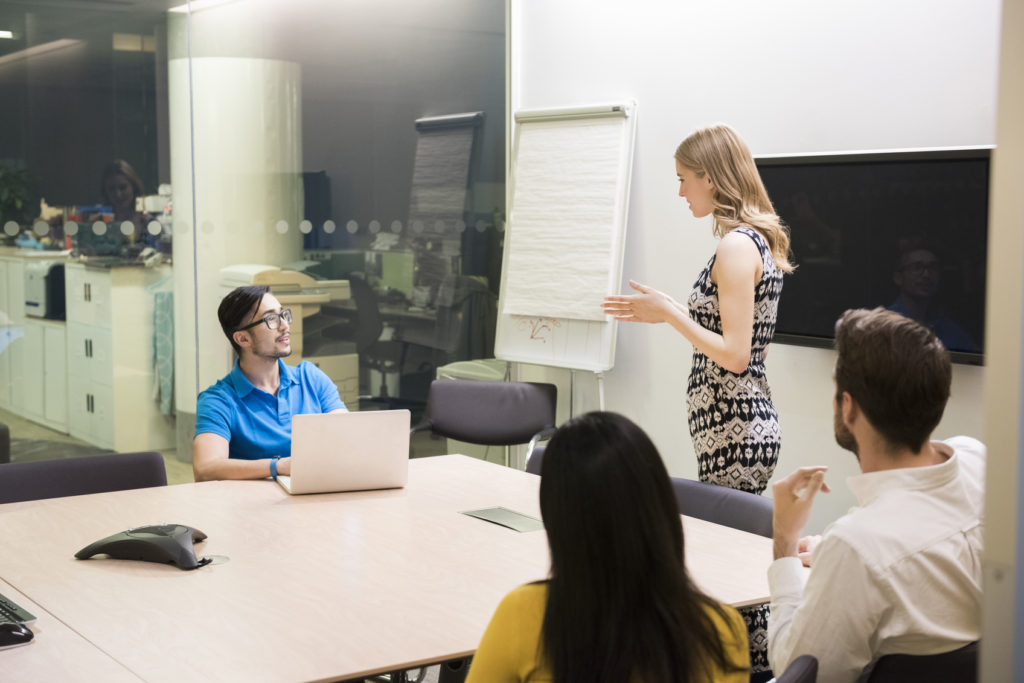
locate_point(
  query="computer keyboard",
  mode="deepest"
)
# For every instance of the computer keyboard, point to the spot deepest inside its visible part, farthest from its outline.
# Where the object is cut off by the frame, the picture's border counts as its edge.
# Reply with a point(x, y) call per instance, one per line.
point(12, 611)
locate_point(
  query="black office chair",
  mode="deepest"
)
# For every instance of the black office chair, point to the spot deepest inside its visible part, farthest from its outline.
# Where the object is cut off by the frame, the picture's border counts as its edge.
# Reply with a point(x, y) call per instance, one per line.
point(21, 481)
point(803, 669)
point(467, 313)
point(956, 666)
point(723, 505)
point(491, 413)
point(363, 335)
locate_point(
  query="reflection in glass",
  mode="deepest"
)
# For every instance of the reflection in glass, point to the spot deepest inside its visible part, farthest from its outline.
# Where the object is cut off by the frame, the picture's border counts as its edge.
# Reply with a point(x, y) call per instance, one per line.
point(288, 122)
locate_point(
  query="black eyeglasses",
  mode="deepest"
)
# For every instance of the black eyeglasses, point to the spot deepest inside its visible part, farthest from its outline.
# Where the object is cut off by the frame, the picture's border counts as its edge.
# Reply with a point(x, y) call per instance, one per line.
point(273, 320)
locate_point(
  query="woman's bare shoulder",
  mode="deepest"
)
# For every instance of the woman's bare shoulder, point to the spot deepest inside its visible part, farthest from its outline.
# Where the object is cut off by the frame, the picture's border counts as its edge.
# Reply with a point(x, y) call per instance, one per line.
point(736, 245)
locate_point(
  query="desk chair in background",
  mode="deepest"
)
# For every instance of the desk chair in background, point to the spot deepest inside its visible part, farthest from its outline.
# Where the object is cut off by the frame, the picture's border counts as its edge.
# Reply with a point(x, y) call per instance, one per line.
point(491, 413)
point(21, 481)
point(466, 316)
point(382, 354)
point(722, 505)
point(363, 335)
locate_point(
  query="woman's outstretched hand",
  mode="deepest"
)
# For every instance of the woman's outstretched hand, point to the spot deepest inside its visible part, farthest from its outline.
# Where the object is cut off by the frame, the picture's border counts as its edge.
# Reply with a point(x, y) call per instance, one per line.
point(647, 306)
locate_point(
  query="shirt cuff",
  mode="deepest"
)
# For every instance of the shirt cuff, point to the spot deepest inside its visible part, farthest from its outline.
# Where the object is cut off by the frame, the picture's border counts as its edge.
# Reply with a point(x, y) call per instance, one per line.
point(786, 576)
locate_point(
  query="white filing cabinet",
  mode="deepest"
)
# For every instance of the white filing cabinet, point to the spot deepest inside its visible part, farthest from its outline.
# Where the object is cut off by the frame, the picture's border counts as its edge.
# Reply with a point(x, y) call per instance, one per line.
point(110, 358)
point(12, 342)
point(343, 370)
point(42, 391)
point(33, 380)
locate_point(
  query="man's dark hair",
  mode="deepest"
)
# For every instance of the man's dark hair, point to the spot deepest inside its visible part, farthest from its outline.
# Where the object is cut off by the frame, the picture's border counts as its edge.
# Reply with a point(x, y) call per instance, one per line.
point(897, 370)
point(237, 308)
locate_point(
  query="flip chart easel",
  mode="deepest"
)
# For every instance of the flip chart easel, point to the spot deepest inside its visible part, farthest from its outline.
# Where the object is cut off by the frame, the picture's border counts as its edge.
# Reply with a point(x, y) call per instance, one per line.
point(565, 236)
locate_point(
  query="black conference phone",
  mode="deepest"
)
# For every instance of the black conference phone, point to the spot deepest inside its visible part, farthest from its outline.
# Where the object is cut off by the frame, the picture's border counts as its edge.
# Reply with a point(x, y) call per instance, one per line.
point(164, 543)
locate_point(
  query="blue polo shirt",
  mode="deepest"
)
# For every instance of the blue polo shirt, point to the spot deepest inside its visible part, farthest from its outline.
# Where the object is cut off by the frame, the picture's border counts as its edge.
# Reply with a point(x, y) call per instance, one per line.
point(258, 424)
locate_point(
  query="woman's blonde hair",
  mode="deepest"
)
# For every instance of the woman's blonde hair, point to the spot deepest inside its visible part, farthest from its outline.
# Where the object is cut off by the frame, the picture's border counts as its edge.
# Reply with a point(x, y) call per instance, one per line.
point(738, 194)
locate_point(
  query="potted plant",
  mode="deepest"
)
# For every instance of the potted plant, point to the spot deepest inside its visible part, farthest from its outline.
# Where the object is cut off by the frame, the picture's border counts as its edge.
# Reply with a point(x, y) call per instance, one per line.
point(19, 202)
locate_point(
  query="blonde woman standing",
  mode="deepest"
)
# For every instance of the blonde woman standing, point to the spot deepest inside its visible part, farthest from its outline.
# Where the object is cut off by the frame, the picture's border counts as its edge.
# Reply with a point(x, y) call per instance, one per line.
point(730, 314)
point(729, 319)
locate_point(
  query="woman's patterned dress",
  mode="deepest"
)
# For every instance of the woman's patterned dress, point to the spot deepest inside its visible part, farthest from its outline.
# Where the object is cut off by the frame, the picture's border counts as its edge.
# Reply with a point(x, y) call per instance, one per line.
point(733, 424)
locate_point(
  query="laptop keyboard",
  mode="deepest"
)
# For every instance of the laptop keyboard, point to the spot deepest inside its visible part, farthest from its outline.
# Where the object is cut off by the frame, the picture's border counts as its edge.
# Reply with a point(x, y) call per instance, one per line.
point(12, 611)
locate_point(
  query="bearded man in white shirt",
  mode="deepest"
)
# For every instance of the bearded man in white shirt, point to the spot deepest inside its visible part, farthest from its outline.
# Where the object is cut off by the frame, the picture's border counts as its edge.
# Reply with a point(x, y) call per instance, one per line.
point(900, 573)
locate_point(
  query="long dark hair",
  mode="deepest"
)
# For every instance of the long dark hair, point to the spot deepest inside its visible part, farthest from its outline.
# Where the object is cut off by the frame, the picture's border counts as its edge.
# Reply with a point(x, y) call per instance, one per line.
point(620, 603)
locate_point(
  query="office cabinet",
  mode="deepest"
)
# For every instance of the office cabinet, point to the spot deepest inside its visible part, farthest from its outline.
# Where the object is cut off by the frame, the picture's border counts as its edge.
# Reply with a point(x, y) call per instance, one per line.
point(55, 376)
point(87, 295)
point(110, 358)
point(12, 343)
point(343, 370)
point(89, 411)
point(33, 384)
point(41, 382)
point(27, 378)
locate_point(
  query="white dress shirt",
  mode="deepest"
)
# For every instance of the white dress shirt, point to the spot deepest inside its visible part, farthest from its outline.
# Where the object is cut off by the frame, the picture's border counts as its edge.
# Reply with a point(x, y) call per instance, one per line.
point(901, 573)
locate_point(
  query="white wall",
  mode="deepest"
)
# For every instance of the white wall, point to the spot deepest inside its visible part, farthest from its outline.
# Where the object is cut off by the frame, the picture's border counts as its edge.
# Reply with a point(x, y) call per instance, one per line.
point(795, 76)
point(1002, 659)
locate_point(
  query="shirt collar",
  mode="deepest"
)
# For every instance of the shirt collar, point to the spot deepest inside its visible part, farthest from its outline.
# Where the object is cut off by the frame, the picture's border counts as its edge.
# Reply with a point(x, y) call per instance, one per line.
point(868, 487)
point(243, 387)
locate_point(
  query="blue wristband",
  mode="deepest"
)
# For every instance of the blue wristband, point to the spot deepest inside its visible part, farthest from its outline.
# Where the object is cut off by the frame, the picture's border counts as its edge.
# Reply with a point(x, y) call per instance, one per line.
point(273, 467)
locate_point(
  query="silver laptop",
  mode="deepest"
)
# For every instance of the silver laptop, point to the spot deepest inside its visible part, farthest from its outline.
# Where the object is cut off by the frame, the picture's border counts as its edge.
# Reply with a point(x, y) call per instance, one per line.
point(356, 451)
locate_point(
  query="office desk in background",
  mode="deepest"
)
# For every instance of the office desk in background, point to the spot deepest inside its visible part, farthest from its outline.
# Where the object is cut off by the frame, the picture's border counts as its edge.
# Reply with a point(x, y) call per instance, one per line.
point(393, 314)
point(316, 587)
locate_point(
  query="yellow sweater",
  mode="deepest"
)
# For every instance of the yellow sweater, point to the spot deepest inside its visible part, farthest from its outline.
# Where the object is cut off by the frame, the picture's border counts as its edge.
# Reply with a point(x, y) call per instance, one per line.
point(508, 650)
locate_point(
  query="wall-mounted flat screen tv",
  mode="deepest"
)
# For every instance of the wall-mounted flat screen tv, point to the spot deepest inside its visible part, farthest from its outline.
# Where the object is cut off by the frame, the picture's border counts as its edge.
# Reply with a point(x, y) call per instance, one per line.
point(905, 230)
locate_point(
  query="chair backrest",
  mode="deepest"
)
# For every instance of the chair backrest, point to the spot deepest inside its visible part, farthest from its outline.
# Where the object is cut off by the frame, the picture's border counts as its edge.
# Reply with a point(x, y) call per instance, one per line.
point(21, 481)
point(369, 324)
point(723, 505)
point(803, 669)
point(489, 412)
point(957, 666)
point(466, 318)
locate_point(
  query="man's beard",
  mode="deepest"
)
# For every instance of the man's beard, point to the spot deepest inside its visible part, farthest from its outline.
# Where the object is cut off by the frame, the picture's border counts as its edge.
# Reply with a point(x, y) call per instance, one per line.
point(844, 437)
point(274, 353)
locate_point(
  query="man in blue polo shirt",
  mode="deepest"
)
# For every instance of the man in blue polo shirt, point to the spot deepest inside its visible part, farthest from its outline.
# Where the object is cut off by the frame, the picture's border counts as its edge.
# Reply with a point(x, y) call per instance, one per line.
point(244, 421)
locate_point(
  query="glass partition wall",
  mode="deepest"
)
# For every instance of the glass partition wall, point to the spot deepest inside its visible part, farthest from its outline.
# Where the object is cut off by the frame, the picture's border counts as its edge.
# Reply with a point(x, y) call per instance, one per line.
point(155, 154)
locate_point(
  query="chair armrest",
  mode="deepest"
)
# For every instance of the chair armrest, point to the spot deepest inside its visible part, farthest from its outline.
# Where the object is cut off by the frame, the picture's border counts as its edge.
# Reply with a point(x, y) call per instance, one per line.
point(542, 435)
point(421, 427)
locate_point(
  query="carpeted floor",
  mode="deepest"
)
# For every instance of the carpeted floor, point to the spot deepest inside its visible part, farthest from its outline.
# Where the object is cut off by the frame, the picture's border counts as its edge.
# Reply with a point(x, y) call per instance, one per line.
point(33, 450)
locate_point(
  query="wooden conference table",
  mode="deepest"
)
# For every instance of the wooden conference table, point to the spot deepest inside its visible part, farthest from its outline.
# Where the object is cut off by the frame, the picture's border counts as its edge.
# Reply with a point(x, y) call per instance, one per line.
point(316, 587)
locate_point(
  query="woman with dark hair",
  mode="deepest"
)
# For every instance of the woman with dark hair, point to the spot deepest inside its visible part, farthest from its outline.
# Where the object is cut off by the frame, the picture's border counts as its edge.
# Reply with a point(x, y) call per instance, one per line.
point(619, 604)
